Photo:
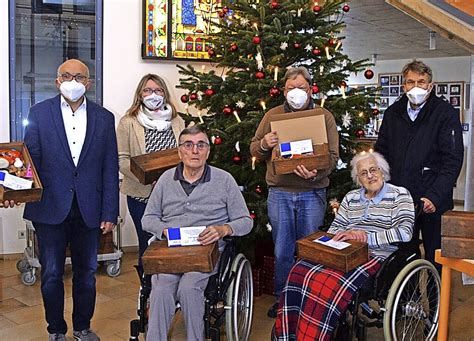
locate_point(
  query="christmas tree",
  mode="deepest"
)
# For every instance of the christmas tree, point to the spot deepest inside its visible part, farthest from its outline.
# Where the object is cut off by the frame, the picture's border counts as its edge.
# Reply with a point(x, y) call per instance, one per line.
point(256, 42)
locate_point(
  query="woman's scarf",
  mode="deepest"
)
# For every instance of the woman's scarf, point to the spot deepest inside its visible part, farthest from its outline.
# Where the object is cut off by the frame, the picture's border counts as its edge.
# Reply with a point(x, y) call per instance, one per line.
point(159, 119)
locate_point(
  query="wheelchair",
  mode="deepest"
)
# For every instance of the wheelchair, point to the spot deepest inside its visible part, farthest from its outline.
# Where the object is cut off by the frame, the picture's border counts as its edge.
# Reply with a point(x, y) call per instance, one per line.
point(402, 298)
point(228, 298)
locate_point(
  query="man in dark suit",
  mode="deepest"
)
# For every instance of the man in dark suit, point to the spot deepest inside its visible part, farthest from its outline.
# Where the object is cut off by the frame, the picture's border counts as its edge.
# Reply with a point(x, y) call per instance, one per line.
point(421, 139)
point(73, 145)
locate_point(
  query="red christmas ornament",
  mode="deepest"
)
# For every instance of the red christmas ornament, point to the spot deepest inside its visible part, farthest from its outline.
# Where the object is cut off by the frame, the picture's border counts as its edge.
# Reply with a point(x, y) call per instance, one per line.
point(274, 92)
point(316, 9)
point(314, 89)
point(258, 189)
point(296, 45)
point(369, 74)
point(227, 110)
point(253, 215)
point(233, 47)
point(274, 5)
point(217, 140)
point(236, 159)
point(332, 42)
point(256, 40)
point(184, 98)
point(316, 51)
point(259, 75)
point(225, 9)
point(211, 52)
point(193, 96)
point(375, 111)
point(221, 14)
point(346, 8)
point(360, 133)
point(209, 92)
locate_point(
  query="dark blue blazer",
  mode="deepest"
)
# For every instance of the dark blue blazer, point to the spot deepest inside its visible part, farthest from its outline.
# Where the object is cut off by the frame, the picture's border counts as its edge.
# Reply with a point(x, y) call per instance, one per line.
point(95, 179)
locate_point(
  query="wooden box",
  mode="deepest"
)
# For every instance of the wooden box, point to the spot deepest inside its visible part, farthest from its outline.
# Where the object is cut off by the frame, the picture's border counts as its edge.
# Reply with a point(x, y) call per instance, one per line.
point(344, 260)
point(159, 258)
point(296, 126)
point(148, 167)
point(319, 160)
point(22, 195)
point(457, 234)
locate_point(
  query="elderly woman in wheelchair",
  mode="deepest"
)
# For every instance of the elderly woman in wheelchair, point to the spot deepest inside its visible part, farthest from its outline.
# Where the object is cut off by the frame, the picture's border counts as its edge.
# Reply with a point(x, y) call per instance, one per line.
point(315, 299)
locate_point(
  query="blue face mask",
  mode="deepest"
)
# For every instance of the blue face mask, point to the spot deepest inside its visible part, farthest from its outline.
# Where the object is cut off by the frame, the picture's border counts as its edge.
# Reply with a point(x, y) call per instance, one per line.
point(153, 101)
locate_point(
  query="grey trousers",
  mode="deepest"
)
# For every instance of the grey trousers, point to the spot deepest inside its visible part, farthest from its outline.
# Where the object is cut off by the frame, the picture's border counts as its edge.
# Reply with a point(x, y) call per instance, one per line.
point(187, 289)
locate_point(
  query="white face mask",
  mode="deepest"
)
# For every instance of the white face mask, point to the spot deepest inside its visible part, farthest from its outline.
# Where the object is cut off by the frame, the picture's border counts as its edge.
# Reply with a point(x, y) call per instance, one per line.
point(153, 101)
point(296, 98)
point(72, 90)
point(417, 96)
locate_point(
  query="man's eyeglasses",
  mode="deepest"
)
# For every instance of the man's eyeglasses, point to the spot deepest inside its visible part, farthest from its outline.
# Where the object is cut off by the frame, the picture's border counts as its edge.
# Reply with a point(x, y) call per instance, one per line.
point(304, 88)
point(149, 91)
point(188, 145)
point(372, 171)
point(422, 83)
point(67, 77)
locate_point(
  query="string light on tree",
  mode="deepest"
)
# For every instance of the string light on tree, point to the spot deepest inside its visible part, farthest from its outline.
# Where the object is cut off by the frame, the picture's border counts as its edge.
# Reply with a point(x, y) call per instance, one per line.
point(236, 115)
point(200, 117)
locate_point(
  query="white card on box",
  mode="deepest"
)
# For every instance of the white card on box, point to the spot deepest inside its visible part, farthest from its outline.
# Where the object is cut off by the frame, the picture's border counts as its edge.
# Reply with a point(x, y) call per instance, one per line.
point(14, 182)
point(184, 236)
point(296, 147)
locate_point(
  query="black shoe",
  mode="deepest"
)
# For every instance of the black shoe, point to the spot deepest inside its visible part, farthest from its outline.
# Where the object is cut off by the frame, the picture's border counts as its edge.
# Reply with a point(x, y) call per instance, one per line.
point(272, 312)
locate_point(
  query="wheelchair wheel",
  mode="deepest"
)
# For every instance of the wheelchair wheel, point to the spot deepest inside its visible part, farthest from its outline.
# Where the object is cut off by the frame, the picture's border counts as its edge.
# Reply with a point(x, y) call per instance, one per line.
point(412, 305)
point(240, 301)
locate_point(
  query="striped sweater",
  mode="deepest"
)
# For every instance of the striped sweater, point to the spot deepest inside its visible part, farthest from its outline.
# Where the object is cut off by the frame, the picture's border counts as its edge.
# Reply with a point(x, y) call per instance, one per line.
point(387, 218)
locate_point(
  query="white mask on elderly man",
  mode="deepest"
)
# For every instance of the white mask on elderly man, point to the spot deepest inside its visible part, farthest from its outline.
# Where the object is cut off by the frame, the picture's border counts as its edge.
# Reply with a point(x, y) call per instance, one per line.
point(72, 90)
point(296, 98)
point(417, 96)
point(153, 101)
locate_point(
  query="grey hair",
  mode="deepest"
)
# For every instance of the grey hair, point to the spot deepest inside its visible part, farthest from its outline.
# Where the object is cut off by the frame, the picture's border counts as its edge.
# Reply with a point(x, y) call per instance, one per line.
point(379, 159)
point(193, 130)
point(419, 67)
point(294, 72)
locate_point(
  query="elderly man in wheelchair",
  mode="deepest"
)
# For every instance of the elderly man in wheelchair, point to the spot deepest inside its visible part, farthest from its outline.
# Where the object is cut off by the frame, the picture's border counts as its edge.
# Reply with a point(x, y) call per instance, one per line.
point(320, 303)
point(192, 194)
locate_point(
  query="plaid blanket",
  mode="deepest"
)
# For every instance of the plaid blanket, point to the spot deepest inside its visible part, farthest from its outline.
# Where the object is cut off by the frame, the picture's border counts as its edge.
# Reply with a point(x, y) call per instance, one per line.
point(315, 297)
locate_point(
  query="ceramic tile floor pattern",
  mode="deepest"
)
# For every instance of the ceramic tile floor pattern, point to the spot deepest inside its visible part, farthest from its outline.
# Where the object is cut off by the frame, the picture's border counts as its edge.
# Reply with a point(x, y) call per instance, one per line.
point(22, 315)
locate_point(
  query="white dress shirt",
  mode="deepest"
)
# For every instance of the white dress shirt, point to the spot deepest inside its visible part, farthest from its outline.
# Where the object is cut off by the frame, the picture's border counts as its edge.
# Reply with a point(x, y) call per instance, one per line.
point(75, 124)
point(413, 113)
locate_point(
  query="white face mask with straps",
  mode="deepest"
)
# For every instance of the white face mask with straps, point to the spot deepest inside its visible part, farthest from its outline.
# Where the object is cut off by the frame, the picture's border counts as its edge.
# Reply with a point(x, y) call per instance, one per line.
point(417, 96)
point(153, 101)
point(72, 90)
point(296, 98)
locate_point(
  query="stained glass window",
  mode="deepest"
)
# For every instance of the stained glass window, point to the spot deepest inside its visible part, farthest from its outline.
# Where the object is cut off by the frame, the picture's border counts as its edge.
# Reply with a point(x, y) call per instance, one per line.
point(178, 28)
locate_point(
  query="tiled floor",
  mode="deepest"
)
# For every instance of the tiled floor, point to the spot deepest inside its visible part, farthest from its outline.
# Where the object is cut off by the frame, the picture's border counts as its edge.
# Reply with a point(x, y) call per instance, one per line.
point(22, 316)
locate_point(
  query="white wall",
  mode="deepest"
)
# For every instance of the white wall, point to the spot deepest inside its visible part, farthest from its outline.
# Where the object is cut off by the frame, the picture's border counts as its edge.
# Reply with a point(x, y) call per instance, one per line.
point(123, 68)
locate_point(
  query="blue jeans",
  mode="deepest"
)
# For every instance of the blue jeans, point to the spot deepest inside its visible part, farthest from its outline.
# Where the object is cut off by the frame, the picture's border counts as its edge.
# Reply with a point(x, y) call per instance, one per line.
point(83, 243)
point(292, 216)
point(137, 209)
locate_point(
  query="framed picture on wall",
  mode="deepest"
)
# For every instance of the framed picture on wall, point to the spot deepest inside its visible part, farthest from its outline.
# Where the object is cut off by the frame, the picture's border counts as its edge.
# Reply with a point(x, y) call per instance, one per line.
point(455, 89)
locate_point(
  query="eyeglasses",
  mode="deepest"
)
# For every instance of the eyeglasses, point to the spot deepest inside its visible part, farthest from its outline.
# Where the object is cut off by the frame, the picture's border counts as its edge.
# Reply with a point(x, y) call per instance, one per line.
point(422, 83)
point(149, 91)
point(304, 88)
point(372, 171)
point(188, 145)
point(67, 77)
